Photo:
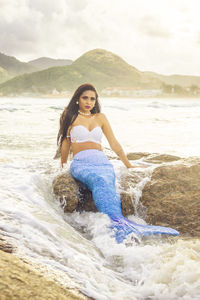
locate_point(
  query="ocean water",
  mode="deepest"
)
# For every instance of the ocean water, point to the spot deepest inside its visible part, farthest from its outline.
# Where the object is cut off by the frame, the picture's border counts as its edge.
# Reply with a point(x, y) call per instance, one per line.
point(80, 245)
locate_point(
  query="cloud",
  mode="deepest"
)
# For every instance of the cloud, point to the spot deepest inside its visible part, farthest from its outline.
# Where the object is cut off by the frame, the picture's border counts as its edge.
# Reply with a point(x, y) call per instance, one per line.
point(46, 8)
point(48, 28)
point(152, 26)
point(77, 5)
point(151, 35)
point(19, 31)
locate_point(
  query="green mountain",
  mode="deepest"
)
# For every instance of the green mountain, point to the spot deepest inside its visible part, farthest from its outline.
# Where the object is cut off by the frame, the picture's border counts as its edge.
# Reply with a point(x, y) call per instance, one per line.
point(46, 62)
point(181, 80)
point(4, 76)
point(99, 67)
point(13, 66)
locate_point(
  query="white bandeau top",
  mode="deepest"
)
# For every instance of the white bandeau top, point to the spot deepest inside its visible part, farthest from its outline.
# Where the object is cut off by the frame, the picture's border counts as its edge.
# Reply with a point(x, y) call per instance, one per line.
point(80, 134)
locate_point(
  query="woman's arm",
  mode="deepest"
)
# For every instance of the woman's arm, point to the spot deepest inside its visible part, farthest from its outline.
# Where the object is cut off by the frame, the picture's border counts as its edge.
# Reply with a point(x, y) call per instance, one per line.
point(65, 150)
point(114, 144)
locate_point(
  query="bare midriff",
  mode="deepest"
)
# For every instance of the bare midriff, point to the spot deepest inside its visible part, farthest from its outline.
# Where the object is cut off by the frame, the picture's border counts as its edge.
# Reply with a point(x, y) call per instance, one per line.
point(77, 147)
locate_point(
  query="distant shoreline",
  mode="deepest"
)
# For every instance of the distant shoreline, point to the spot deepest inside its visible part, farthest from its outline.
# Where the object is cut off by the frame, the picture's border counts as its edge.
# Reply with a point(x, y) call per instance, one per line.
point(103, 96)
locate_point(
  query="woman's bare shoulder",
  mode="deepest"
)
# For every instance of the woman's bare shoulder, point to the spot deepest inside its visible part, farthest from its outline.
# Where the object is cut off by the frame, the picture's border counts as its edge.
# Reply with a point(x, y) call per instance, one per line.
point(101, 116)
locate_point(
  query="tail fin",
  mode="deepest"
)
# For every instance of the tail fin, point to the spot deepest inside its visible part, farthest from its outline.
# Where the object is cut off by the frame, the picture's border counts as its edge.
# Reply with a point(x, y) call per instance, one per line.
point(123, 227)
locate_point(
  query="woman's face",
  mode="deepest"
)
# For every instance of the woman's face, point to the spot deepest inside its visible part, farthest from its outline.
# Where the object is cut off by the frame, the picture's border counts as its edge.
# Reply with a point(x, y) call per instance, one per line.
point(87, 101)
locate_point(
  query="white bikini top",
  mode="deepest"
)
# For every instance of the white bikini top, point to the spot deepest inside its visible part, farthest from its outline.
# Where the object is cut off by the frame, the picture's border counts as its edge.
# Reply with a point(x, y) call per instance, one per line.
point(80, 134)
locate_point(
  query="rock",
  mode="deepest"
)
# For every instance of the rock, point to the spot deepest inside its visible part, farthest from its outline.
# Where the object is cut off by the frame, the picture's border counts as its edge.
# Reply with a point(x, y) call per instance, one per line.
point(5, 246)
point(160, 158)
point(137, 155)
point(72, 194)
point(126, 204)
point(86, 202)
point(66, 190)
point(172, 197)
point(153, 157)
point(19, 281)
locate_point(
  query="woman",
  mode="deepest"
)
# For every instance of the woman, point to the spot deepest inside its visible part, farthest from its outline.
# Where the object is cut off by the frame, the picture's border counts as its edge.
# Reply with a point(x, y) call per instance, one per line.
point(81, 128)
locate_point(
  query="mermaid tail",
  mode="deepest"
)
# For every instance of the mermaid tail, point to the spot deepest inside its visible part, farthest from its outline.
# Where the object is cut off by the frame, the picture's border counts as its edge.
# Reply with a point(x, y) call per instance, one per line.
point(93, 169)
point(124, 227)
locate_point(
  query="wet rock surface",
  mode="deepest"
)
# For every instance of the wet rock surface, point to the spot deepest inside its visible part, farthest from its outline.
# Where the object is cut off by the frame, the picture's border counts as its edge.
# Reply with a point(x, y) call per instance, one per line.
point(73, 195)
point(66, 190)
point(5, 246)
point(153, 157)
point(170, 198)
point(19, 281)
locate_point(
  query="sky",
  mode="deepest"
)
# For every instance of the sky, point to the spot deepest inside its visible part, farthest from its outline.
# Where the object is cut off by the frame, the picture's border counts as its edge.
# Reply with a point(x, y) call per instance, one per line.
point(161, 36)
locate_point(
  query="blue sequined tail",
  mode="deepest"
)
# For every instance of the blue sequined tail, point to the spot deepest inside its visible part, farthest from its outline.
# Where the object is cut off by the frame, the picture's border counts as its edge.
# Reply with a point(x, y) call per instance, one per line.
point(93, 168)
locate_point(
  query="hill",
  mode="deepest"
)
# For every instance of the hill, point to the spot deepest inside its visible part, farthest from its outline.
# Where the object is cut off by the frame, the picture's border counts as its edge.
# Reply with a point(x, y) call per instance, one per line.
point(4, 76)
point(46, 62)
point(181, 80)
point(100, 67)
point(13, 66)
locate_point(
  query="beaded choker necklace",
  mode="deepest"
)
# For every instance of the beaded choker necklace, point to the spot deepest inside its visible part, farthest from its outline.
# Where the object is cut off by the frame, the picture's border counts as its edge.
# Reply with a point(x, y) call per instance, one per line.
point(84, 114)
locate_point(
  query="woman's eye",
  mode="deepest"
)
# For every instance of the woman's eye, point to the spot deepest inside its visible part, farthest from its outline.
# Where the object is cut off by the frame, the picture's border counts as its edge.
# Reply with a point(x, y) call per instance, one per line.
point(92, 98)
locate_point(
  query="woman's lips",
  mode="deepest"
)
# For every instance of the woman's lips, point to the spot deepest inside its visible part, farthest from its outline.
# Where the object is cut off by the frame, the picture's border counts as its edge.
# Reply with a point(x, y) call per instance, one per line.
point(87, 107)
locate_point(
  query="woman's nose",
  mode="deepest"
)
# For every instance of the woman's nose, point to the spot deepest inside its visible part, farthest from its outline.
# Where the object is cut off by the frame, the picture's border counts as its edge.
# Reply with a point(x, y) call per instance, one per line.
point(89, 101)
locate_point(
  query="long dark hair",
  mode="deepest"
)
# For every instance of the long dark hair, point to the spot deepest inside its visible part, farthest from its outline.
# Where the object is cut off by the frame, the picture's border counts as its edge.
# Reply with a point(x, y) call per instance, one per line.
point(70, 112)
